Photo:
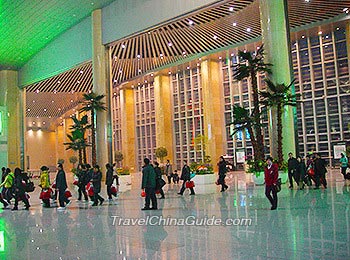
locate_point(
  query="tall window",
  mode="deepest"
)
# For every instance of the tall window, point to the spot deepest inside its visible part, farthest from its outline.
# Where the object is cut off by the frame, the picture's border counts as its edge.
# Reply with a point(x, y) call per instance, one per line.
point(188, 115)
point(117, 132)
point(321, 70)
point(145, 122)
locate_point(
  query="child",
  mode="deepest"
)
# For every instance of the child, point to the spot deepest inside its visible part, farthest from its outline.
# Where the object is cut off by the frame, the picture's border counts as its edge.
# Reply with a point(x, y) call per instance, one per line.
point(176, 177)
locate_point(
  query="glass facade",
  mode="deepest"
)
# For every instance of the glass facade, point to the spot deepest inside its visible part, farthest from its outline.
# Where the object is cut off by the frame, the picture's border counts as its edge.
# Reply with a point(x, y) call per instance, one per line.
point(145, 120)
point(188, 114)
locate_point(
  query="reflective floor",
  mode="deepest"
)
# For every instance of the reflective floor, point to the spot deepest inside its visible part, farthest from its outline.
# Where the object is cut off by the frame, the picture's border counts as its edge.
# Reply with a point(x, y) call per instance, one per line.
point(309, 224)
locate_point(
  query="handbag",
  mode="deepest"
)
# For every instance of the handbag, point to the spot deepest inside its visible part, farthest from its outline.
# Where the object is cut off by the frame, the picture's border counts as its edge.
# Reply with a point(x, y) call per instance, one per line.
point(90, 189)
point(67, 194)
point(114, 190)
point(29, 186)
point(189, 184)
point(278, 185)
point(143, 194)
point(161, 183)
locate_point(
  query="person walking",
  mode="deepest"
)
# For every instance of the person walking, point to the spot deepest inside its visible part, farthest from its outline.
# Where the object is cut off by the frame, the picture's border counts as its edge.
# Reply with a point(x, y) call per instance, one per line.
point(81, 174)
point(320, 171)
point(301, 172)
point(149, 185)
point(343, 164)
point(271, 177)
point(45, 184)
point(109, 180)
point(222, 173)
point(185, 176)
point(61, 186)
point(96, 182)
point(168, 171)
point(292, 165)
point(159, 180)
point(7, 184)
point(18, 189)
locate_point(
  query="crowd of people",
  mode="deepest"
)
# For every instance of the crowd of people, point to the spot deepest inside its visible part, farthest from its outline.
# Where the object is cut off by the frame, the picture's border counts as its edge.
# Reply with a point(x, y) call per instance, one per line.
point(16, 185)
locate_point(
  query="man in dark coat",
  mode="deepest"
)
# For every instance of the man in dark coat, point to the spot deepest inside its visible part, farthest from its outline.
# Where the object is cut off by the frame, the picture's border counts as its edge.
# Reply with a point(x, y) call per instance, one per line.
point(19, 190)
point(109, 180)
point(81, 182)
point(96, 182)
point(159, 180)
point(149, 185)
point(292, 166)
point(61, 186)
point(320, 171)
point(185, 176)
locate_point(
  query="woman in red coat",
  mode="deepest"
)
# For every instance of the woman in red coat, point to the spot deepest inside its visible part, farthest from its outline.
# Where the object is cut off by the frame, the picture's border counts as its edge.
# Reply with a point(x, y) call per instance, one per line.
point(271, 176)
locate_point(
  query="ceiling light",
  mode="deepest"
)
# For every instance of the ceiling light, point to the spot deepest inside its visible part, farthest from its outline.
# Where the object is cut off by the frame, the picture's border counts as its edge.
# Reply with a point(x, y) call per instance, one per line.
point(188, 67)
point(190, 22)
point(123, 46)
point(37, 91)
point(338, 28)
point(138, 56)
point(249, 29)
point(120, 71)
point(198, 64)
point(78, 81)
point(151, 74)
point(71, 101)
point(49, 116)
point(140, 70)
point(115, 81)
point(170, 44)
point(33, 123)
point(307, 1)
point(81, 71)
point(44, 123)
point(215, 37)
point(145, 81)
point(327, 36)
point(28, 109)
point(58, 82)
point(33, 101)
point(220, 58)
point(169, 72)
point(234, 24)
point(37, 117)
point(232, 54)
point(231, 9)
point(45, 109)
point(320, 32)
point(346, 10)
point(303, 36)
point(52, 101)
point(161, 55)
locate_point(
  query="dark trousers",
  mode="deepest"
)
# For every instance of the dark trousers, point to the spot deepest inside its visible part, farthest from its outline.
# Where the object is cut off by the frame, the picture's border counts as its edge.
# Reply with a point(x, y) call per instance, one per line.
point(62, 198)
point(343, 171)
point(320, 178)
point(97, 198)
point(23, 197)
point(161, 192)
point(2, 201)
point(7, 194)
point(183, 188)
point(222, 182)
point(169, 178)
point(273, 199)
point(293, 175)
point(109, 193)
point(150, 196)
point(81, 191)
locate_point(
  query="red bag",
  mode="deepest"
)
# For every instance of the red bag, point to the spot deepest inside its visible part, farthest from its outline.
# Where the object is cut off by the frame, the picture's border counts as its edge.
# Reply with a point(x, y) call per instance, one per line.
point(311, 172)
point(75, 182)
point(47, 194)
point(157, 191)
point(114, 190)
point(143, 194)
point(54, 185)
point(67, 194)
point(189, 184)
point(90, 189)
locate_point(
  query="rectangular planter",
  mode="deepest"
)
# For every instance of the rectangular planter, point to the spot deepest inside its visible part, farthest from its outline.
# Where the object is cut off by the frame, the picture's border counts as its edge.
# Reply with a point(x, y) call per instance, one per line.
point(205, 179)
point(124, 183)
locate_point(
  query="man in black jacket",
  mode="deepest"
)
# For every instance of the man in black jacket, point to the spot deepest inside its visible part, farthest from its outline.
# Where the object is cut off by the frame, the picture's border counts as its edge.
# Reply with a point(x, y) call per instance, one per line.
point(292, 166)
point(185, 176)
point(61, 186)
point(320, 171)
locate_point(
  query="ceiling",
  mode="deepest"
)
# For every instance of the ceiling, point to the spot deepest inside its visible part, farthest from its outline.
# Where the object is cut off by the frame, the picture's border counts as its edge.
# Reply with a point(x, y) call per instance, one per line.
point(206, 31)
point(215, 28)
point(27, 26)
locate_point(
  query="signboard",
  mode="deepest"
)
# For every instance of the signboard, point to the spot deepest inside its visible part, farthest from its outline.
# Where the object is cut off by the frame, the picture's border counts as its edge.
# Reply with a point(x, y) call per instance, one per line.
point(338, 149)
point(240, 155)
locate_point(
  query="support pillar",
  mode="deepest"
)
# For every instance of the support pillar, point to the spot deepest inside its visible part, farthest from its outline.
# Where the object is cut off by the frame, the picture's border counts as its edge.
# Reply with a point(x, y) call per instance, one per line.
point(127, 107)
point(213, 110)
point(100, 87)
point(164, 120)
point(276, 40)
point(12, 136)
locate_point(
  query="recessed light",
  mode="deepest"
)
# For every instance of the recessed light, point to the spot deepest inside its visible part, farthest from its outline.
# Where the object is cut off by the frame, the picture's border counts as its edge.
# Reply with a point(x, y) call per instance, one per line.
point(307, 1)
point(44, 123)
point(115, 81)
point(249, 29)
point(220, 58)
point(338, 28)
point(81, 71)
point(28, 109)
point(234, 24)
point(123, 46)
point(346, 10)
point(151, 74)
point(303, 36)
point(58, 82)
point(169, 72)
point(170, 44)
point(215, 37)
point(78, 81)
point(37, 91)
point(231, 9)
point(33, 101)
point(138, 56)
point(45, 109)
point(188, 67)
point(190, 22)
point(52, 101)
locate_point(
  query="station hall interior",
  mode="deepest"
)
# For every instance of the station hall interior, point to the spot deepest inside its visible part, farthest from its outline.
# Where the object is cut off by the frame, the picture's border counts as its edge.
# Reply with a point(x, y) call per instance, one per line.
point(166, 71)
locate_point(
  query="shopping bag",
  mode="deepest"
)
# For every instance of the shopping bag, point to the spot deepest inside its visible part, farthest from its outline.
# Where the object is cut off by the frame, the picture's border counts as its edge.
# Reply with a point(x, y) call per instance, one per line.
point(143, 194)
point(67, 194)
point(189, 184)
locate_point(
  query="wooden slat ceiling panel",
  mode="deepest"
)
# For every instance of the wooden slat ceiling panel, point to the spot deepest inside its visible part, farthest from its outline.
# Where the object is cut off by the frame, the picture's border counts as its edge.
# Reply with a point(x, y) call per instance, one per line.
point(208, 30)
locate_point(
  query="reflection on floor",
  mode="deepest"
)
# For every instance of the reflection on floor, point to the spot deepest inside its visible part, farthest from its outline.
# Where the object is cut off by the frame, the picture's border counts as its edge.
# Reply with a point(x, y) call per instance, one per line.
point(309, 224)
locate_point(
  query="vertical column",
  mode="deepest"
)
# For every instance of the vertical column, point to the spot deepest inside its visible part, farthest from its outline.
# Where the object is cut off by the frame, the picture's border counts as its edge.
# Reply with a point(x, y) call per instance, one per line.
point(213, 111)
point(276, 39)
point(12, 118)
point(347, 34)
point(127, 107)
point(164, 120)
point(100, 87)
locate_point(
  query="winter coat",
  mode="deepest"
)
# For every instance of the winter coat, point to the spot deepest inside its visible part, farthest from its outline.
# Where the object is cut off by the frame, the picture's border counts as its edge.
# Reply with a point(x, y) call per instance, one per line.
point(109, 177)
point(168, 169)
point(292, 164)
point(44, 180)
point(19, 184)
point(271, 175)
point(320, 166)
point(222, 168)
point(301, 170)
point(185, 173)
point(61, 182)
point(8, 182)
point(96, 181)
point(148, 177)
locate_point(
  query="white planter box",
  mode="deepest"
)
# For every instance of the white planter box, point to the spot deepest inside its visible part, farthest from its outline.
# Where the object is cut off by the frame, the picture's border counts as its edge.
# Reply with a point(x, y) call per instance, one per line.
point(258, 180)
point(205, 179)
point(124, 183)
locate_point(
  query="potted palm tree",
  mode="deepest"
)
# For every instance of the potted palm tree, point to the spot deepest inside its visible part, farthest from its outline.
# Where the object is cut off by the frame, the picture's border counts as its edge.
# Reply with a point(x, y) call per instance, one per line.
point(248, 67)
point(81, 125)
point(278, 96)
point(76, 143)
point(93, 103)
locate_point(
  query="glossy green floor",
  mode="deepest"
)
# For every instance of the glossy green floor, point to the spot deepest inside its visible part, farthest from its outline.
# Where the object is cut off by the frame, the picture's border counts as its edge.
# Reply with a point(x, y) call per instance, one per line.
point(309, 224)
